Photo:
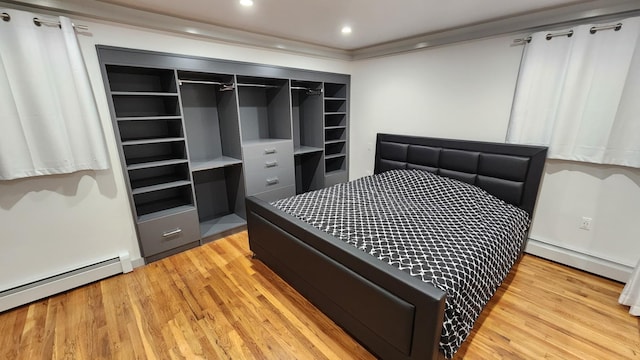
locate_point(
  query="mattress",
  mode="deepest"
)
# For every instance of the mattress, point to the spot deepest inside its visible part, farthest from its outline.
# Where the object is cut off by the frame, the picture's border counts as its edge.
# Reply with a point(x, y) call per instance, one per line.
point(450, 234)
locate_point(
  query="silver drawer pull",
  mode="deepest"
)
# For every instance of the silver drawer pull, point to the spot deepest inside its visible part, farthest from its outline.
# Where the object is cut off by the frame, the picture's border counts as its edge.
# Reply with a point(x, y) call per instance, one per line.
point(272, 181)
point(172, 232)
point(270, 151)
point(270, 164)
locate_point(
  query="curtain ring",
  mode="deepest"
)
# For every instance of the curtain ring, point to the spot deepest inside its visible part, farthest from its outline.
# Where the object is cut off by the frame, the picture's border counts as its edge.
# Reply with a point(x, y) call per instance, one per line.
point(5, 17)
point(38, 22)
point(615, 27)
point(551, 36)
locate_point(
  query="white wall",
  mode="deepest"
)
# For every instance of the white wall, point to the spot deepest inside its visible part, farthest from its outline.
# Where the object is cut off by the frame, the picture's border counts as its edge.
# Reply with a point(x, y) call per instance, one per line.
point(465, 91)
point(53, 224)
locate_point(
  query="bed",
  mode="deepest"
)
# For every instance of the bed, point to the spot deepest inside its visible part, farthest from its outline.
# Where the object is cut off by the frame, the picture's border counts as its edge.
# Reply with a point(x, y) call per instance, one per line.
point(393, 314)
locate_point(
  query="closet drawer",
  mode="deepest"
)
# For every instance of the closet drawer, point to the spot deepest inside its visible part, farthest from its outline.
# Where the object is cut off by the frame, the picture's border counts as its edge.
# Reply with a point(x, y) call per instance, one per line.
point(281, 149)
point(166, 233)
point(263, 175)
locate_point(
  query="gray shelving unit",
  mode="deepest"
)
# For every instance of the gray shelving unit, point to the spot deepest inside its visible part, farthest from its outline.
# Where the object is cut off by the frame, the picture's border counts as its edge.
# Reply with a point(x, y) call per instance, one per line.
point(197, 135)
point(149, 126)
point(336, 132)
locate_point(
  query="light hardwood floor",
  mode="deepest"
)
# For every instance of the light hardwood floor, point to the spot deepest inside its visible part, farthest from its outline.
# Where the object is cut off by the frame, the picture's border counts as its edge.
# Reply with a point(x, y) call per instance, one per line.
point(215, 302)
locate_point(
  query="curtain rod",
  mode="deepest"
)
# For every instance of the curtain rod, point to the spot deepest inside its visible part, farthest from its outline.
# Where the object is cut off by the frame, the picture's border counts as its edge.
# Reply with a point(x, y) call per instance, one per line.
point(592, 30)
point(40, 22)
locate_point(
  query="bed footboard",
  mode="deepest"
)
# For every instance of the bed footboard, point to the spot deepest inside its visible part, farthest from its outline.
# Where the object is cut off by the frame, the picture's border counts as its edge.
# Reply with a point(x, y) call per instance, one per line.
point(392, 314)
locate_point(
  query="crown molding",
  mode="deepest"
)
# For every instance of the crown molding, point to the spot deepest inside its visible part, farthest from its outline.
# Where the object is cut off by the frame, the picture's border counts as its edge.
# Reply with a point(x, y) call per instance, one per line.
point(594, 11)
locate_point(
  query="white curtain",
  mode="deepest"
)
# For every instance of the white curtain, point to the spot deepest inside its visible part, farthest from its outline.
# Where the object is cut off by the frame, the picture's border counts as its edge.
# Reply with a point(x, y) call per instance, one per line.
point(49, 122)
point(579, 95)
point(631, 293)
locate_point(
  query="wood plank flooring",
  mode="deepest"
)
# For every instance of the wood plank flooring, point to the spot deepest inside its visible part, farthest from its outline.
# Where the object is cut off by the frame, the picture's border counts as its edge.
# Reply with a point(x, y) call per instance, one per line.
point(215, 302)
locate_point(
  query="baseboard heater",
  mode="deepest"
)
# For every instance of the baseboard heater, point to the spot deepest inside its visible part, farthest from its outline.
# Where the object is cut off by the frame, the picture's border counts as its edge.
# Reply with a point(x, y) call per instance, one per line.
point(40, 289)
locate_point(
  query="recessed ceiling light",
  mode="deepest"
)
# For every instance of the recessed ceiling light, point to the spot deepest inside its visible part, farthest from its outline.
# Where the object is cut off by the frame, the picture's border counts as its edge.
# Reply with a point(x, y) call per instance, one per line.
point(246, 3)
point(346, 30)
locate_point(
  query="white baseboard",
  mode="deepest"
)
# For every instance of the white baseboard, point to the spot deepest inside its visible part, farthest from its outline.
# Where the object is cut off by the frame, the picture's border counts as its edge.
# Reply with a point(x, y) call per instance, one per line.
point(37, 290)
point(589, 263)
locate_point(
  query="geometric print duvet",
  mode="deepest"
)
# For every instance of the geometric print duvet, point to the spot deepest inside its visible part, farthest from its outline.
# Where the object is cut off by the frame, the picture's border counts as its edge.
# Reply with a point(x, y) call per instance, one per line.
point(450, 234)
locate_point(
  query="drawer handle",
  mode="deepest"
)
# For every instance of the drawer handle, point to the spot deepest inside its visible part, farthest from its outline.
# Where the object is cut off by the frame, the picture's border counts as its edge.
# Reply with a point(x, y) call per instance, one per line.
point(272, 181)
point(172, 232)
point(271, 164)
point(270, 151)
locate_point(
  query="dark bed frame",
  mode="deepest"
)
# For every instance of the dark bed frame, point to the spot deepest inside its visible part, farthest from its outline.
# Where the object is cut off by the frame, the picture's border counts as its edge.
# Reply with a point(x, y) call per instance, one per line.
point(392, 314)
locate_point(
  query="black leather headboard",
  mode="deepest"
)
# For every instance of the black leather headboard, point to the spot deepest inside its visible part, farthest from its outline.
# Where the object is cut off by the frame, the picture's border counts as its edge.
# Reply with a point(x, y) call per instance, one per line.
point(507, 171)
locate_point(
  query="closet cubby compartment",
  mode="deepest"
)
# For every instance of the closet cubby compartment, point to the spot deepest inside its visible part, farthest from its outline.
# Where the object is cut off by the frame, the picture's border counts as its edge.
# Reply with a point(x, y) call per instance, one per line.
point(333, 133)
point(335, 147)
point(265, 111)
point(333, 120)
point(164, 202)
point(335, 91)
point(158, 177)
point(332, 106)
point(309, 169)
point(145, 106)
point(210, 115)
point(125, 79)
point(147, 155)
point(335, 163)
point(150, 130)
point(219, 199)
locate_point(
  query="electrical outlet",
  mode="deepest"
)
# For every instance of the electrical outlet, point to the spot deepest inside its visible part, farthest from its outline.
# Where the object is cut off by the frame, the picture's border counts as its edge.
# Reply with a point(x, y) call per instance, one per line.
point(585, 224)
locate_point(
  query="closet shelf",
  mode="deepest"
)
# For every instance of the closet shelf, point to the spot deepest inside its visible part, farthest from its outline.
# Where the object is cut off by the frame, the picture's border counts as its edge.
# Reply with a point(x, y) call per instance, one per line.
point(169, 185)
point(306, 150)
point(335, 141)
point(220, 224)
point(334, 156)
point(152, 141)
point(223, 161)
point(155, 163)
point(143, 93)
point(140, 118)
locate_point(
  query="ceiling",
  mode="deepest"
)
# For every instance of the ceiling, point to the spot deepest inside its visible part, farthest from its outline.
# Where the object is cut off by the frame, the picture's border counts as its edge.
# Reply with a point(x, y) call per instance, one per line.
point(320, 22)
point(379, 27)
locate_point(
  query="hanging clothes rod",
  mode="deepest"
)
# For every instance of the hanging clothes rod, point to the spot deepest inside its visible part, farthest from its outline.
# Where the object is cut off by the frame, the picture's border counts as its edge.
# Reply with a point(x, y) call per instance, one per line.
point(308, 90)
point(223, 86)
point(259, 85)
point(199, 82)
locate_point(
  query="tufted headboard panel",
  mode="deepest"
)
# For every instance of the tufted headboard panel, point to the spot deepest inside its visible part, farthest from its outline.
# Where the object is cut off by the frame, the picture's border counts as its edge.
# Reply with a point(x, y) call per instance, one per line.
point(507, 171)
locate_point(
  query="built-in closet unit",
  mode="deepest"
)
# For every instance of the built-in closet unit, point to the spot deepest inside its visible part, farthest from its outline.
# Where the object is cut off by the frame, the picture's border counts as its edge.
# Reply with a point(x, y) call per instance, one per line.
point(197, 135)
